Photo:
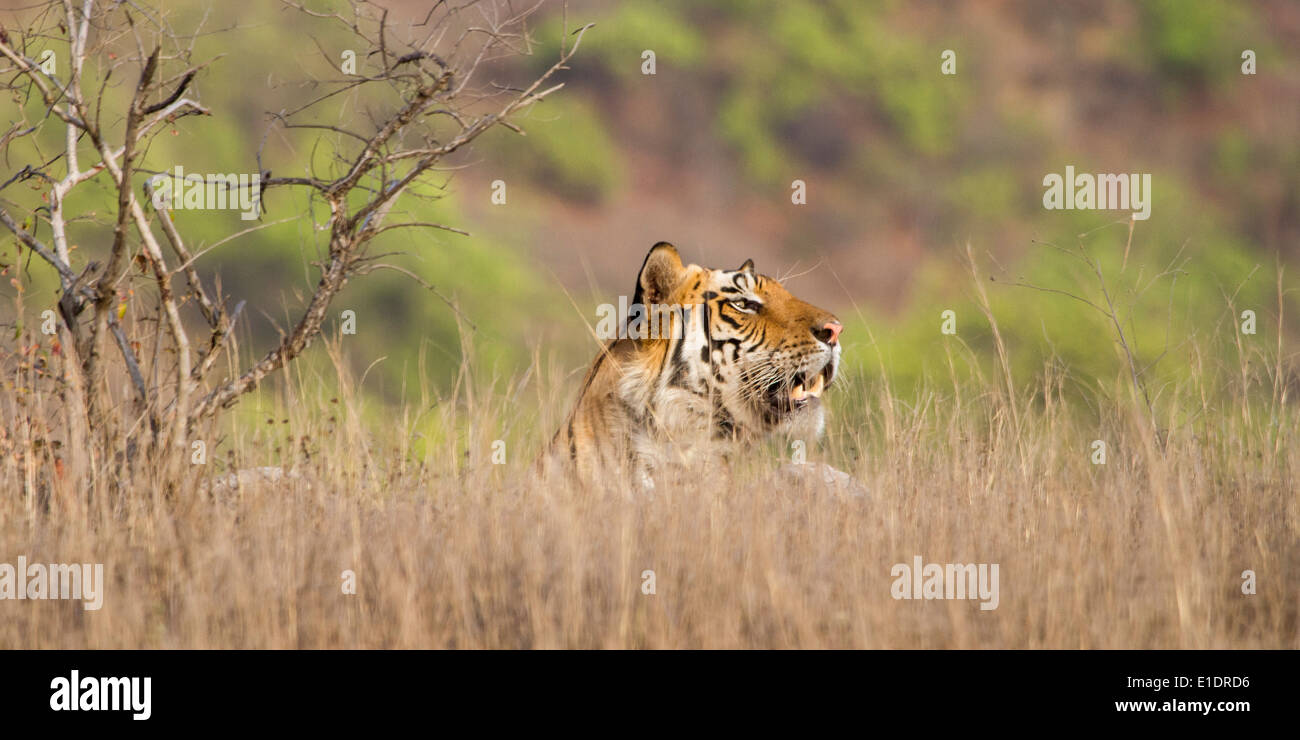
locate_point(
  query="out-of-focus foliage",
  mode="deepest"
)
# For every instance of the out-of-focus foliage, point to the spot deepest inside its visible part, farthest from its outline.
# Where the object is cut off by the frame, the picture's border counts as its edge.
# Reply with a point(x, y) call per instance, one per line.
point(566, 147)
point(906, 166)
point(1191, 39)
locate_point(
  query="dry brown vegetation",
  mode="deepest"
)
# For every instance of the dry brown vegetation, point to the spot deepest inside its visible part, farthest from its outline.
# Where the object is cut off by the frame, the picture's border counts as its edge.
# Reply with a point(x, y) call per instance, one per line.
point(116, 445)
point(451, 550)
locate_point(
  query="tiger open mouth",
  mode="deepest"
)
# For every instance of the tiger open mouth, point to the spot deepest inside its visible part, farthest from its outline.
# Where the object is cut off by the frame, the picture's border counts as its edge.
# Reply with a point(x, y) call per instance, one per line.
point(800, 391)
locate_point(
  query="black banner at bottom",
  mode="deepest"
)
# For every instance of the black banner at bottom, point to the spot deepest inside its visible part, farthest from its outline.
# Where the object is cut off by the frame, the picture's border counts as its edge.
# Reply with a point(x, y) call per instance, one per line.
point(146, 690)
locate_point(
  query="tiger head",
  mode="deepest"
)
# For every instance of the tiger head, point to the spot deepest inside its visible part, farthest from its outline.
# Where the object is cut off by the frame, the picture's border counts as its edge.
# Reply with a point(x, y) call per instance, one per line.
point(760, 356)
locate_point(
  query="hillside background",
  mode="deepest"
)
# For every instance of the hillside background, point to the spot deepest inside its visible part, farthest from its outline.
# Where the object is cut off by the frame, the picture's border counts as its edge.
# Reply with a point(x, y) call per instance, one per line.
point(904, 167)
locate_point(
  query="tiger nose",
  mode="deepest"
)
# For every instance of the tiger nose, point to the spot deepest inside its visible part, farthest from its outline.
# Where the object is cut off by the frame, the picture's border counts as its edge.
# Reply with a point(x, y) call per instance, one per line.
point(829, 332)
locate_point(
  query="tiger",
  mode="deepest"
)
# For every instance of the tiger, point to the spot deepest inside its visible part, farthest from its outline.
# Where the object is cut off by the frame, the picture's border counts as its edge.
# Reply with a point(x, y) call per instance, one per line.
point(741, 360)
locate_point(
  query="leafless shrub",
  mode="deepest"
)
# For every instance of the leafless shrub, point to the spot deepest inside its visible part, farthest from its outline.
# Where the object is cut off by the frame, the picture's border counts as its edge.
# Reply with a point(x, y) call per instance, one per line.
point(435, 103)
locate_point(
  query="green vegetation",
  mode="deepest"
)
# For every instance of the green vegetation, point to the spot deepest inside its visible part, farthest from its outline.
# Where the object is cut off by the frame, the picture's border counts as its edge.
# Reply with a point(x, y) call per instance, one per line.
point(567, 150)
point(844, 92)
point(1196, 40)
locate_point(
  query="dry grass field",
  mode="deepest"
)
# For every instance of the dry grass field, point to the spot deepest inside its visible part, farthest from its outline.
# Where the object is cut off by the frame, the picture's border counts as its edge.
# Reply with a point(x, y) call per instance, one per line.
point(393, 341)
point(452, 551)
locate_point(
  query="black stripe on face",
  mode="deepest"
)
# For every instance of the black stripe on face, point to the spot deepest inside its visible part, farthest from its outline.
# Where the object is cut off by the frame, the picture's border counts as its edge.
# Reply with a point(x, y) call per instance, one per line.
point(720, 346)
point(679, 367)
point(706, 355)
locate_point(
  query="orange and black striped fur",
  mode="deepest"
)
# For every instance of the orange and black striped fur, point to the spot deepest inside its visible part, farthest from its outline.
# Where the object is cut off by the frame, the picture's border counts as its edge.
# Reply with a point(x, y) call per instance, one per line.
point(741, 357)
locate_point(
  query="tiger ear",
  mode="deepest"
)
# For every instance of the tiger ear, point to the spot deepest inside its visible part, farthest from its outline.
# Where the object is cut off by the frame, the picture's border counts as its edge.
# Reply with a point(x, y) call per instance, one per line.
point(660, 274)
point(748, 266)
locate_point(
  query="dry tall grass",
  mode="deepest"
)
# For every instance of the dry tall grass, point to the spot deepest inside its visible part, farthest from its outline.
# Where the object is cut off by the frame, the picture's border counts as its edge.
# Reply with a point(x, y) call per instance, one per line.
point(450, 550)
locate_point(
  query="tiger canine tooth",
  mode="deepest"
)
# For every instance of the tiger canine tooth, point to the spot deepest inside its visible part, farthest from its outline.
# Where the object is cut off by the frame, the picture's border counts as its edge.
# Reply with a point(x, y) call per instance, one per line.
point(817, 386)
point(797, 393)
